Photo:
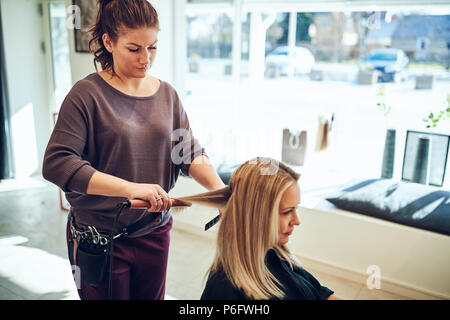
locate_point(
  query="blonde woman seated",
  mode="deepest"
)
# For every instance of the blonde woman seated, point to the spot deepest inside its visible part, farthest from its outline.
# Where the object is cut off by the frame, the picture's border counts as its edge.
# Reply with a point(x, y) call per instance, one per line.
point(258, 216)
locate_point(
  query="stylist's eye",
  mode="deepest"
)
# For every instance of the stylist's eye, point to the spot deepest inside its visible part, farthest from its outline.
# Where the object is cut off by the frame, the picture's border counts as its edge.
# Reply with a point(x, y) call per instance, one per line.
point(133, 50)
point(152, 48)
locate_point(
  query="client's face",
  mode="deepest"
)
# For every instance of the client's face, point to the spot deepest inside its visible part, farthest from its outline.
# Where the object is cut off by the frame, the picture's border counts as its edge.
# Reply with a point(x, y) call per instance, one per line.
point(288, 217)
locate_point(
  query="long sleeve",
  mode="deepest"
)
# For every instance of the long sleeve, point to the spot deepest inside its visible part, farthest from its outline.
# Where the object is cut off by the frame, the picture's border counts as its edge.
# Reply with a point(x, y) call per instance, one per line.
point(188, 147)
point(323, 292)
point(63, 163)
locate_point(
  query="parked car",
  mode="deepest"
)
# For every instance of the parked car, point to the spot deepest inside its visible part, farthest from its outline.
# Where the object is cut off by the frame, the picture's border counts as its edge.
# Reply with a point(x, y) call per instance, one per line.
point(392, 64)
point(299, 60)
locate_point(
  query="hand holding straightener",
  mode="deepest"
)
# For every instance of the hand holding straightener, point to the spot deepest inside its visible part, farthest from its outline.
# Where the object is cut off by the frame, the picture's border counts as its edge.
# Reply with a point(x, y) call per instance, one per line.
point(155, 197)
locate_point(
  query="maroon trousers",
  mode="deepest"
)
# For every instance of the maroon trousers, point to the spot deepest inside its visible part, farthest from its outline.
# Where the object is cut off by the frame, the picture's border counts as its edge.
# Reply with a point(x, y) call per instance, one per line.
point(139, 268)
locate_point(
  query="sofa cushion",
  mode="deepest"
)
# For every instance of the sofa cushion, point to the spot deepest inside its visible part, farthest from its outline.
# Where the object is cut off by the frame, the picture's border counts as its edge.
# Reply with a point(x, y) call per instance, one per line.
point(406, 203)
point(225, 171)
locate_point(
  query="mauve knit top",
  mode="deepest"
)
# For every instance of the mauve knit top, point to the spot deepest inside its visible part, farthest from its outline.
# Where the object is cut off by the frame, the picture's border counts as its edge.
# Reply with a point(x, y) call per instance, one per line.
point(100, 128)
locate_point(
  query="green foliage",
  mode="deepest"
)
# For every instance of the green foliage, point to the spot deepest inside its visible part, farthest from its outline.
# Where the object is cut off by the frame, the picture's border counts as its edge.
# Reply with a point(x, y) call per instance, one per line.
point(432, 120)
point(381, 104)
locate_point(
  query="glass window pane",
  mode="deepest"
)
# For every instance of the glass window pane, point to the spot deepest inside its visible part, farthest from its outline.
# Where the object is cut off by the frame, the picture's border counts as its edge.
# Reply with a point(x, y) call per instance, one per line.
point(359, 72)
point(62, 79)
point(209, 76)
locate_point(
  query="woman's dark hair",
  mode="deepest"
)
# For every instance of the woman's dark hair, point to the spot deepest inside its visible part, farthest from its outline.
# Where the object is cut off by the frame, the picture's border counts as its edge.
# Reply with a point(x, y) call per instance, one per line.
point(111, 16)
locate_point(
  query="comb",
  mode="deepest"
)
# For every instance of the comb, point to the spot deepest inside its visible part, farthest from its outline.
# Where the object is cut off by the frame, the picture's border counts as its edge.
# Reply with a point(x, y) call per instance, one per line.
point(212, 222)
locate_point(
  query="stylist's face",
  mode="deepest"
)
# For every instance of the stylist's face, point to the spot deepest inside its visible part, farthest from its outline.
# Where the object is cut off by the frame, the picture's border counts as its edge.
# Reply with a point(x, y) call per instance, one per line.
point(133, 51)
point(288, 217)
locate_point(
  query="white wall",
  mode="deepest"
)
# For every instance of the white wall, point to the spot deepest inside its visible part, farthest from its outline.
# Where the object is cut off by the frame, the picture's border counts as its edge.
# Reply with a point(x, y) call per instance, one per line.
point(27, 83)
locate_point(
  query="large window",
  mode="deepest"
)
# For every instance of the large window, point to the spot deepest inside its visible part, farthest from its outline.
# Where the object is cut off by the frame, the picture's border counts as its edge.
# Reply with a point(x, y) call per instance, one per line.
point(359, 71)
point(62, 80)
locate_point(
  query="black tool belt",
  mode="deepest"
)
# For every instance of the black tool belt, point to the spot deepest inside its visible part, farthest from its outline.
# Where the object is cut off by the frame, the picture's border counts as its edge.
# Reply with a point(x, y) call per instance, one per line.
point(89, 249)
point(91, 234)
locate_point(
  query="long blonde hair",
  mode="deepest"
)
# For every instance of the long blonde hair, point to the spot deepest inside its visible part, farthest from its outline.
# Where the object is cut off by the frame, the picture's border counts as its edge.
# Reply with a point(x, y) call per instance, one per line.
point(249, 225)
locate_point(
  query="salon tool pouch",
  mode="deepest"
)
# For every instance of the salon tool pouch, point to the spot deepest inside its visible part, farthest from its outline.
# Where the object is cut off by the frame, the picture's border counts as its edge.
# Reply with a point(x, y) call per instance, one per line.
point(91, 259)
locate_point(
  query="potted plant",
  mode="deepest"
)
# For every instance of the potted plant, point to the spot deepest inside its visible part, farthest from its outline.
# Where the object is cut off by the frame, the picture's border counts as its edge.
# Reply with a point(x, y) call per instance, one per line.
point(422, 166)
point(432, 120)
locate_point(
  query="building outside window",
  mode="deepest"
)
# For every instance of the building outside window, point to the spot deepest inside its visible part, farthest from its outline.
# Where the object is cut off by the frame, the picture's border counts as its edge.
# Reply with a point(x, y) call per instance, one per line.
point(300, 68)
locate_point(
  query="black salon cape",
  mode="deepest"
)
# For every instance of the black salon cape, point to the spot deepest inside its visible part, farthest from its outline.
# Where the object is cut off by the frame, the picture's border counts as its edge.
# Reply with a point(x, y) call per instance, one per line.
point(298, 284)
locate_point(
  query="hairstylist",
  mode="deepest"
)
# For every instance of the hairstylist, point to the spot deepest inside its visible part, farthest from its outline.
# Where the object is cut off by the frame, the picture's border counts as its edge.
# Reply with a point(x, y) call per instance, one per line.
point(114, 141)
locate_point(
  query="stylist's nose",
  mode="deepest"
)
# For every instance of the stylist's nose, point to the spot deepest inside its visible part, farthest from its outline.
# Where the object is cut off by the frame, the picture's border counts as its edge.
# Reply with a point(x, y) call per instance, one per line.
point(144, 58)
